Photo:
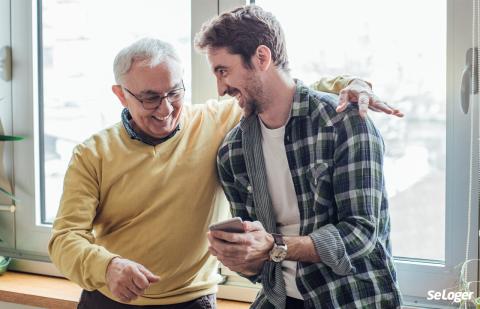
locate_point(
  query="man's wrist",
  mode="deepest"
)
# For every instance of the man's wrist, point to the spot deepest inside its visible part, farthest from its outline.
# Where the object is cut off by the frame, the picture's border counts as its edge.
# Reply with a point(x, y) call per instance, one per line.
point(279, 251)
point(301, 248)
point(269, 247)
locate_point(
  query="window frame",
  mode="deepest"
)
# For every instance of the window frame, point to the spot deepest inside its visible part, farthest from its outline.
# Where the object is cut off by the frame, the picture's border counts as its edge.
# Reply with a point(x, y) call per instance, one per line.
point(415, 278)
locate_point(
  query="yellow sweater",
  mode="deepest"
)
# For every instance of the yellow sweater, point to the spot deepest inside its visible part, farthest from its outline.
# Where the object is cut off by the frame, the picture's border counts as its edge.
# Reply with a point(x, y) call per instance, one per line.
point(149, 204)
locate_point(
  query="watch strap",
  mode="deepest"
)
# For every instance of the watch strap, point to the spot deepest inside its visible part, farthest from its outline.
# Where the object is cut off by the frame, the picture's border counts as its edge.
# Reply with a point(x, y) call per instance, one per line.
point(278, 239)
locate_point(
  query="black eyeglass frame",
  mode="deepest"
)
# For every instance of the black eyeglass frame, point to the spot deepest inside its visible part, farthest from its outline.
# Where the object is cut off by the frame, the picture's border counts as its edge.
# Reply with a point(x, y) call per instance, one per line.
point(159, 100)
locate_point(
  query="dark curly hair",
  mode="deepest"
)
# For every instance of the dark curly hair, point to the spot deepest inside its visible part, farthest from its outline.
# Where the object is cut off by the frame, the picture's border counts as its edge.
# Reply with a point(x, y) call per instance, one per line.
point(241, 31)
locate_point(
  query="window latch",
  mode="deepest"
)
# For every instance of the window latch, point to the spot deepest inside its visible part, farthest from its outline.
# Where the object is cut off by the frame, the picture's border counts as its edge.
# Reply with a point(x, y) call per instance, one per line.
point(468, 86)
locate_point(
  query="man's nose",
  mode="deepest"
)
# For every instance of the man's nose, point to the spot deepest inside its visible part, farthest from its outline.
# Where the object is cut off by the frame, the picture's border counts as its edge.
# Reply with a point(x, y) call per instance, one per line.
point(165, 108)
point(221, 87)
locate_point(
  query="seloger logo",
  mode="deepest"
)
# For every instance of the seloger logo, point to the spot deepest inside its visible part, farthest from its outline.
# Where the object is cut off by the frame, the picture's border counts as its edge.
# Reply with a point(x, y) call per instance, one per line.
point(455, 297)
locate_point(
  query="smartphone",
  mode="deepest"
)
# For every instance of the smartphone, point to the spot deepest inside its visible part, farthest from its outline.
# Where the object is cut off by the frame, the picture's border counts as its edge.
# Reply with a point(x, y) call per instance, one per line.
point(234, 225)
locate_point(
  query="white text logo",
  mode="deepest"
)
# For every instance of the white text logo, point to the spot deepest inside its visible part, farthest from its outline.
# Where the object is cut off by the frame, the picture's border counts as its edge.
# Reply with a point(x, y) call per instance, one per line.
point(456, 297)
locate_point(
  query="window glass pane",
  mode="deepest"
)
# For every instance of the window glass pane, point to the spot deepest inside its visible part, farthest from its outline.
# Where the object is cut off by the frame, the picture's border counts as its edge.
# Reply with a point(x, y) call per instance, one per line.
point(400, 46)
point(80, 41)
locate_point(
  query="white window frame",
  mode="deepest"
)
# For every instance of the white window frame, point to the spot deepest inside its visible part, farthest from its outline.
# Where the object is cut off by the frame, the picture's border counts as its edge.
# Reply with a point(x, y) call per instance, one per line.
point(30, 238)
point(6, 218)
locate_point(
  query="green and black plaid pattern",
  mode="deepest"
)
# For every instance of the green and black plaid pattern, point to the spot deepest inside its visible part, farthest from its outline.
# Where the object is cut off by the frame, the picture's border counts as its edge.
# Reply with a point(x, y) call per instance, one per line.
point(336, 163)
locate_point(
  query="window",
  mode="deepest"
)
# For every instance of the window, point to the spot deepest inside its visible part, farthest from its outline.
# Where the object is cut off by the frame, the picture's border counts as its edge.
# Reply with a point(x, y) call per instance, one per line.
point(412, 51)
point(406, 58)
point(77, 66)
point(407, 70)
point(64, 53)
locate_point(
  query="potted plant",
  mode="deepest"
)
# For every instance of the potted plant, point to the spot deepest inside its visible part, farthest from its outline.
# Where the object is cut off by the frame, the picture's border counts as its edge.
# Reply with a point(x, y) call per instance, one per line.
point(5, 261)
point(5, 138)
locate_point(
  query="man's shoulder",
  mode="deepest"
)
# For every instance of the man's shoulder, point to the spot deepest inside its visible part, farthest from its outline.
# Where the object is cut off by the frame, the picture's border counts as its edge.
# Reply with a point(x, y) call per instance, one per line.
point(322, 107)
point(322, 99)
point(212, 107)
point(215, 112)
point(104, 138)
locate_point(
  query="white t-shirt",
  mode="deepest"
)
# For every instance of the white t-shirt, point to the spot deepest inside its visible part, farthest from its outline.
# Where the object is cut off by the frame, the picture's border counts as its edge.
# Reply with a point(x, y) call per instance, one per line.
point(284, 198)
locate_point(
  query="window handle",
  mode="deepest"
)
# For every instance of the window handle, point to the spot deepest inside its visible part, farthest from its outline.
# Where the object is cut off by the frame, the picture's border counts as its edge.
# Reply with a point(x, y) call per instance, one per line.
point(6, 63)
point(466, 86)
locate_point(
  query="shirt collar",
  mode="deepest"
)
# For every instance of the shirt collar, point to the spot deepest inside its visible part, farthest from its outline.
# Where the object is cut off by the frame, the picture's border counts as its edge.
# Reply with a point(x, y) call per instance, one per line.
point(139, 136)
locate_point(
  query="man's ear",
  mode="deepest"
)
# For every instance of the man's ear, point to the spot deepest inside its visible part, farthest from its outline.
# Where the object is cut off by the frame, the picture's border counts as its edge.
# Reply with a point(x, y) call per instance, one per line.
point(262, 57)
point(117, 89)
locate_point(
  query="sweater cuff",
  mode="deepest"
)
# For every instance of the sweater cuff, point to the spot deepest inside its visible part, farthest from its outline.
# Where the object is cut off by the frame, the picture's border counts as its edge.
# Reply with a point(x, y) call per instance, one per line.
point(99, 274)
point(330, 248)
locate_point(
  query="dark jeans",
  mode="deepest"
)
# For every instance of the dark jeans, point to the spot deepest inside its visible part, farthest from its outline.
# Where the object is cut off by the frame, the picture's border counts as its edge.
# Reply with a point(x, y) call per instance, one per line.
point(293, 303)
point(96, 300)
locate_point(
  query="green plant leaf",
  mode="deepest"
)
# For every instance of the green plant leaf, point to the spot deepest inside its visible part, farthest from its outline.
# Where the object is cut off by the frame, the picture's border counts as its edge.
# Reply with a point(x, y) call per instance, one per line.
point(10, 138)
point(10, 195)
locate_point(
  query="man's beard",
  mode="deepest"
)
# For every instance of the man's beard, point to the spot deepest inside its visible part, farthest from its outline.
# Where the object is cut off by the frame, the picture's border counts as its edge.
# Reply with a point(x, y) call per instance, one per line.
point(255, 95)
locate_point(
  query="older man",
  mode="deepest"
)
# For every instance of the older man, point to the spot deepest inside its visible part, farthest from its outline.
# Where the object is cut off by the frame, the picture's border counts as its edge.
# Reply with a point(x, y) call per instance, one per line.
point(138, 196)
point(312, 177)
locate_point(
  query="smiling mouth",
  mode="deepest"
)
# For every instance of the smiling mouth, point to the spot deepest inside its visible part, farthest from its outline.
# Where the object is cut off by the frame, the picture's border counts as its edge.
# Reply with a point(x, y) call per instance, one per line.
point(161, 118)
point(235, 94)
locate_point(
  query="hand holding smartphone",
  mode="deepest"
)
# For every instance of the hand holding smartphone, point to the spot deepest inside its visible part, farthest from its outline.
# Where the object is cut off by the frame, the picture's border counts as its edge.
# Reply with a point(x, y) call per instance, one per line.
point(234, 225)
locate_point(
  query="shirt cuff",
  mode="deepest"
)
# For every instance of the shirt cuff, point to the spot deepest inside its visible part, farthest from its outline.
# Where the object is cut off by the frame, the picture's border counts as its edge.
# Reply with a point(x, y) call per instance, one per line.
point(331, 250)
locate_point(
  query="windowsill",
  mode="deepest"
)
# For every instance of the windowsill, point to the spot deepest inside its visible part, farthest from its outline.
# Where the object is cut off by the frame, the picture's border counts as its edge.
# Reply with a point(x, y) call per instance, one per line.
point(52, 292)
point(39, 291)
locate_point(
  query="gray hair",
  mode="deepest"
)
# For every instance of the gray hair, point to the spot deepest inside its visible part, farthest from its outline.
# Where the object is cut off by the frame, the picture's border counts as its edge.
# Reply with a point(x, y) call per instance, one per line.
point(152, 51)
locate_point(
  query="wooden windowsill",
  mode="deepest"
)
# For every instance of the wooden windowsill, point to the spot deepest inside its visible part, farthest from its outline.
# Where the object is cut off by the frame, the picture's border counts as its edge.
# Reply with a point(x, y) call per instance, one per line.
point(39, 291)
point(52, 292)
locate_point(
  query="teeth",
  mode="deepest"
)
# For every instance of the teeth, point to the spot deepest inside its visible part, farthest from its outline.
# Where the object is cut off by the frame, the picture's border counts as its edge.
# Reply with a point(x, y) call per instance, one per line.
point(161, 119)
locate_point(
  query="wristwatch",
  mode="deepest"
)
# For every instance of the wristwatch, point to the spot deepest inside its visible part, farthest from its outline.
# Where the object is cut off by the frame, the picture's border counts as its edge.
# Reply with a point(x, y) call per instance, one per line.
point(279, 250)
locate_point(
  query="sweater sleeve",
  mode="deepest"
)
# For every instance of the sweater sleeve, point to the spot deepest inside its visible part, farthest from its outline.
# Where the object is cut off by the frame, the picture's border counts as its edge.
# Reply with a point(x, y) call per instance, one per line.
point(333, 84)
point(72, 245)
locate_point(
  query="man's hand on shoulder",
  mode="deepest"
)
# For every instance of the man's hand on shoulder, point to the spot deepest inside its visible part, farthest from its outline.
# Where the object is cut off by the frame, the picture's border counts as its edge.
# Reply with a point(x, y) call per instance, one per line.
point(127, 280)
point(359, 91)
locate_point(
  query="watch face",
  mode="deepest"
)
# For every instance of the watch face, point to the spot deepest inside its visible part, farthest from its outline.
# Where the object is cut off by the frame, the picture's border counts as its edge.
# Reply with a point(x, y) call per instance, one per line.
point(278, 254)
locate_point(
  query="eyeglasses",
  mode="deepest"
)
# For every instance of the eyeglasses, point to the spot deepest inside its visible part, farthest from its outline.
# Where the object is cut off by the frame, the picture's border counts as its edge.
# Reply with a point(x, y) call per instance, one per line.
point(154, 102)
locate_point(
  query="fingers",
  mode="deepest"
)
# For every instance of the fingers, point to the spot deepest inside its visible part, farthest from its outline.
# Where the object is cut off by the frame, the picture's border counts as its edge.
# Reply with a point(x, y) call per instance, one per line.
point(139, 281)
point(363, 101)
point(125, 295)
point(148, 274)
point(229, 237)
point(223, 249)
point(127, 279)
point(386, 108)
point(395, 111)
point(342, 100)
point(253, 226)
point(212, 251)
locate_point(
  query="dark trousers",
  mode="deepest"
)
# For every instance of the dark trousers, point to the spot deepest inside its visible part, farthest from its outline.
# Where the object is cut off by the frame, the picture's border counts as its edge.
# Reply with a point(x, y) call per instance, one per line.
point(293, 303)
point(96, 300)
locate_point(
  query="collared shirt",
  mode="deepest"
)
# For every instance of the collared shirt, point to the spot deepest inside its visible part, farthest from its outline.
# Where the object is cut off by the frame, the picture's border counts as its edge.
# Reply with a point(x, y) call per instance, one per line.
point(336, 164)
point(139, 136)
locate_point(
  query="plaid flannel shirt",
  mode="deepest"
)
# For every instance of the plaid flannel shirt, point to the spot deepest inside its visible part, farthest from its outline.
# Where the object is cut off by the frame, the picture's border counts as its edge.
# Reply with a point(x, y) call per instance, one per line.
point(336, 163)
